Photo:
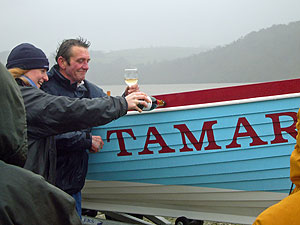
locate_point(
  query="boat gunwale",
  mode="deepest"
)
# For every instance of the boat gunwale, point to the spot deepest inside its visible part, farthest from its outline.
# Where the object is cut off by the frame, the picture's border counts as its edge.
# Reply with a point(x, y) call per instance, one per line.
point(222, 103)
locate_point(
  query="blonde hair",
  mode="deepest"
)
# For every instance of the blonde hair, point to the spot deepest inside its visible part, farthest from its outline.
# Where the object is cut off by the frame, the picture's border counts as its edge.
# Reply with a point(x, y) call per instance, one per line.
point(17, 73)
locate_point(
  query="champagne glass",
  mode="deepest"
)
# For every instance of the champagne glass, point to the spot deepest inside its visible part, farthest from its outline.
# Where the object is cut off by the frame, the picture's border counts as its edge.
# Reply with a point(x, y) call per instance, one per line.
point(131, 76)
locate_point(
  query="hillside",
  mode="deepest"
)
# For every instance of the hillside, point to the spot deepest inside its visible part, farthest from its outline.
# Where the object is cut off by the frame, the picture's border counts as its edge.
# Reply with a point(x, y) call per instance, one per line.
point(269, 54)
point(144, 55)
point(107, 68)
point(265, 55)
point(116, 61)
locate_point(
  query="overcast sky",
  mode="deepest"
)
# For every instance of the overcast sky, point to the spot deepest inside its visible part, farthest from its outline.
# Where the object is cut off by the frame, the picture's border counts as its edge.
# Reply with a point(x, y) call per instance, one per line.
point(125, 24)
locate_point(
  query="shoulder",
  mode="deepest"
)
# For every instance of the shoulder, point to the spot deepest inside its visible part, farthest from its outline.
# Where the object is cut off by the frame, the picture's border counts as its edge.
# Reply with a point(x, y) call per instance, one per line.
point(54, 85)
point(50, 86)
point(54, 76)
point(31, 94)
point(95, 91)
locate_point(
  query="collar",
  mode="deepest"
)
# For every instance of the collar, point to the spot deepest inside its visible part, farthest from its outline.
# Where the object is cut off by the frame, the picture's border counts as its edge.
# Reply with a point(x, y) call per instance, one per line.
point(80, 84)
point(30, 81)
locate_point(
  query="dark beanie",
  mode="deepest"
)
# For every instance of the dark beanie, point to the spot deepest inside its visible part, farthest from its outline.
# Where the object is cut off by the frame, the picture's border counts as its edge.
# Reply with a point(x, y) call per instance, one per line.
point(26, 56)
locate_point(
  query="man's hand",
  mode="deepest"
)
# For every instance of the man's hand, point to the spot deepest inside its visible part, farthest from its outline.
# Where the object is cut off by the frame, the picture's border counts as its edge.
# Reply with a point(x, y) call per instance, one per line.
point(136, 98)
point(97, 144)
point(131, 89)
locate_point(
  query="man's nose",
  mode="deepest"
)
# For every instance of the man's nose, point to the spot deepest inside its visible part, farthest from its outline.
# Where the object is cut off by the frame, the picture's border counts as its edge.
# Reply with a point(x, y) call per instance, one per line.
point(85, 65)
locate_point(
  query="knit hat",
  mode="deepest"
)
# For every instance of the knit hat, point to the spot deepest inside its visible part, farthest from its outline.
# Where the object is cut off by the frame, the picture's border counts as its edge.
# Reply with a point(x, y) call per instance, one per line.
point(26, 56)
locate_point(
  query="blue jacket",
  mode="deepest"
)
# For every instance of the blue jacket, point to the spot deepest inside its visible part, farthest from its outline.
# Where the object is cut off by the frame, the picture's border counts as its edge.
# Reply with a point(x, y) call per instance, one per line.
point(72, 156)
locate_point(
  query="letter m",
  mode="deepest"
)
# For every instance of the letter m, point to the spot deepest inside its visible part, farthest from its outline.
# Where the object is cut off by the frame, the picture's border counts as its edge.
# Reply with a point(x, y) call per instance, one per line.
point(206, 129)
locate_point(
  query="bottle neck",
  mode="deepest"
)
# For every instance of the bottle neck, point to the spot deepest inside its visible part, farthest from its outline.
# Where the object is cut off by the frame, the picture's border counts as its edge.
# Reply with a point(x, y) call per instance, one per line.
point(160, 103)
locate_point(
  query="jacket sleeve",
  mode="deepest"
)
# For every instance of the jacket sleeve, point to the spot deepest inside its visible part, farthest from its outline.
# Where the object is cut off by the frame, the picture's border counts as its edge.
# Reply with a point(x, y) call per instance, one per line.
point(73, 141)
point(13, 129)
point(49, 115)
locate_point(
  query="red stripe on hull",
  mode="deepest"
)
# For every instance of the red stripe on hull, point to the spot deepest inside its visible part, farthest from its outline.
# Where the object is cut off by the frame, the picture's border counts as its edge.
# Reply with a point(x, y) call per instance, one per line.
point(231, 93)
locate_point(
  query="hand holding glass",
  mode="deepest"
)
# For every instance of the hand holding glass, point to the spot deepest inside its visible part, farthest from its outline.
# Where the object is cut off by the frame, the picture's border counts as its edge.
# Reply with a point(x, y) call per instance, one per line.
point(131, 76)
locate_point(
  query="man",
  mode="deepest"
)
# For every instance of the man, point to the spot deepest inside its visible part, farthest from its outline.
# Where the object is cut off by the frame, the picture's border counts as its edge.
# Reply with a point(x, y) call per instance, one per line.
point(25, 198)
point(67, 78)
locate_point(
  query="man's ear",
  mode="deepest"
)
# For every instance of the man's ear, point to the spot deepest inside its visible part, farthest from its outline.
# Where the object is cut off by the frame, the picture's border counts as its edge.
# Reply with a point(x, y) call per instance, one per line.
point(62, 63)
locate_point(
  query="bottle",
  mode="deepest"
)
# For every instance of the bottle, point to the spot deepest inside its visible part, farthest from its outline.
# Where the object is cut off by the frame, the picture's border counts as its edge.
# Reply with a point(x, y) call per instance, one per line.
point(153, 104)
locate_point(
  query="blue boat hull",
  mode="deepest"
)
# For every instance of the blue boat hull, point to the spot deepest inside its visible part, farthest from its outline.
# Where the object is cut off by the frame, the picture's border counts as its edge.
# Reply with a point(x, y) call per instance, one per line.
point(225, 161)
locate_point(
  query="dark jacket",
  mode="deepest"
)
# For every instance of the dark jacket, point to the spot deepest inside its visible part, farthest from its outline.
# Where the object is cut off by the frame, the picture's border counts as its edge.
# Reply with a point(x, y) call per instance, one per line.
point(72, 156)
point(48, 115)
point(12, 118)
point(25, 198)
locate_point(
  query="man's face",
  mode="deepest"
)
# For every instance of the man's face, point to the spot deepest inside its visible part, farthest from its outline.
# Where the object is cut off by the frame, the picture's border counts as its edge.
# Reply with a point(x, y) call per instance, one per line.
point(77, 68)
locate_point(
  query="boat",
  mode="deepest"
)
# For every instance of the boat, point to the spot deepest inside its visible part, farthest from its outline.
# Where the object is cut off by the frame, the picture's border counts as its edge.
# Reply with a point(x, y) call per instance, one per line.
point(218, 154)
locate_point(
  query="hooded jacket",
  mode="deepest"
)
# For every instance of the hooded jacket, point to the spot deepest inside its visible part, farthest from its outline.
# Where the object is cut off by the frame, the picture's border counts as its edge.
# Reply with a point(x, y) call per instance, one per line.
point(48, 115)
point(44, 203)
point(72, 156)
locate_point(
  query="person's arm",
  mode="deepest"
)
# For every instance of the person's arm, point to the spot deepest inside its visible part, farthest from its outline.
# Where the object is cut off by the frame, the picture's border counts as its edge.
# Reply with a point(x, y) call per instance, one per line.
point(49, 115)
point(73, 141)
point(78, 141)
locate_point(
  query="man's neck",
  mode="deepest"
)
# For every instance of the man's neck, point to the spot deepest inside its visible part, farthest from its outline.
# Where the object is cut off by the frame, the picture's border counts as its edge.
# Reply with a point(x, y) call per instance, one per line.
point(67, 77)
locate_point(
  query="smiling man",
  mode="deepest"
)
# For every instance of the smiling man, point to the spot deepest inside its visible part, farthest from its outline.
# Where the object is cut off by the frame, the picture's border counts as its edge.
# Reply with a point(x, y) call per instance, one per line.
point(67, 78)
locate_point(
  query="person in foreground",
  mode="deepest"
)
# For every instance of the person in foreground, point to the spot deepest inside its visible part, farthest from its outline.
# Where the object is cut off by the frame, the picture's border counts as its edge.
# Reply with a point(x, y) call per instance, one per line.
point(25, 198)
point(67, 78)
point(287, 211)
point(48, 115)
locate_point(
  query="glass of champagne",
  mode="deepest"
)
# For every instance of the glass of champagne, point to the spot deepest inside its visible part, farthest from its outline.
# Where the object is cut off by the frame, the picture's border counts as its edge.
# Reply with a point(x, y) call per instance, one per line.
point(131, 76)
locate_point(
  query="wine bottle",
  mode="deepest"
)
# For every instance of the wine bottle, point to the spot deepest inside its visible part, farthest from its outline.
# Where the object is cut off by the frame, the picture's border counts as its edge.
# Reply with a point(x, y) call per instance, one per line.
point(153, 104)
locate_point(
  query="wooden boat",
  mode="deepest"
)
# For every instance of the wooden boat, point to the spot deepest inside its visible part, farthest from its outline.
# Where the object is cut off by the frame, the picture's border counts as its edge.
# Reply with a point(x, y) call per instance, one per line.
point(219, 154)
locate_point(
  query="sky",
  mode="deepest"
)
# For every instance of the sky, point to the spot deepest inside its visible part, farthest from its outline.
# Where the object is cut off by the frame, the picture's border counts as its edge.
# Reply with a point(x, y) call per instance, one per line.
point(126, 24)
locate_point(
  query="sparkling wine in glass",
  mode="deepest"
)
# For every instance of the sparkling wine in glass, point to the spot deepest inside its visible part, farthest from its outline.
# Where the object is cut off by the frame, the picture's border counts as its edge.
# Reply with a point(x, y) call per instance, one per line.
point(131, 76)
